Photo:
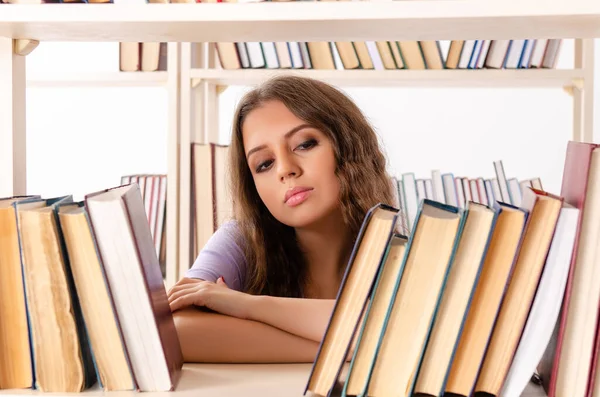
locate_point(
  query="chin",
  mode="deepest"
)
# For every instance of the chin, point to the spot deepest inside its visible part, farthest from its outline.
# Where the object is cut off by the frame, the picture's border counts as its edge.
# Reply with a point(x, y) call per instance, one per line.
point(304, 215)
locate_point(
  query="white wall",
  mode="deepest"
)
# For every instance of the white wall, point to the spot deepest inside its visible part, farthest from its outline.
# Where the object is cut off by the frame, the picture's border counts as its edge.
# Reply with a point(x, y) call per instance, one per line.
point(82, 140)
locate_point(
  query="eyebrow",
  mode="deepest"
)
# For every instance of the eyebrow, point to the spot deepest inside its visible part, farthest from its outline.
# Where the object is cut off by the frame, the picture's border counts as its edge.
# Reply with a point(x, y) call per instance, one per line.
point(287, 135)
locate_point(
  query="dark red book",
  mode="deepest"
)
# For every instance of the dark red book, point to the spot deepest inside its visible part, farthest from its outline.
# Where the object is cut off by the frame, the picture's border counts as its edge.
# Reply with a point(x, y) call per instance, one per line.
point(573, 190)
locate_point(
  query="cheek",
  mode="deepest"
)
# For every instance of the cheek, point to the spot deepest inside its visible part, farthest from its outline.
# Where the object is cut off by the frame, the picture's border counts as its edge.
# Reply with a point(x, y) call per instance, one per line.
point(266, 190)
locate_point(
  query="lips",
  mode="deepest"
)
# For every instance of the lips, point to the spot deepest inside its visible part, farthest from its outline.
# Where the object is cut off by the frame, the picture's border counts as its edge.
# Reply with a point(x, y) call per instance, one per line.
point(296, 190)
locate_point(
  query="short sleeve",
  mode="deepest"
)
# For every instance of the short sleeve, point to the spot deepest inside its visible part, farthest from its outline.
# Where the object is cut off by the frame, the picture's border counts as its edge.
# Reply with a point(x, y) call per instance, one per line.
point(222, 256)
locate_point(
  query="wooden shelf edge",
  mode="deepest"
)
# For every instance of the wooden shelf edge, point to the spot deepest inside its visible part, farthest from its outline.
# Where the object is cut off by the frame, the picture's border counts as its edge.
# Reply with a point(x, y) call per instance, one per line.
point(100, 79)
point(304, 21)
point(485, 78)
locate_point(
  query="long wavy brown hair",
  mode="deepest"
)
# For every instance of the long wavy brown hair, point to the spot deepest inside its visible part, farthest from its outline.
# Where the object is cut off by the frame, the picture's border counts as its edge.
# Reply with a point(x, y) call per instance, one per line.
point(276, 265)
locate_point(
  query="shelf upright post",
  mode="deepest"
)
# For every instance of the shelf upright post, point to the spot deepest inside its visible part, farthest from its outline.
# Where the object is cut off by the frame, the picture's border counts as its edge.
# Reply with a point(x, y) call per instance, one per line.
point(185, 152)
point(173, 164)
point(583, 92)
point(13, 160)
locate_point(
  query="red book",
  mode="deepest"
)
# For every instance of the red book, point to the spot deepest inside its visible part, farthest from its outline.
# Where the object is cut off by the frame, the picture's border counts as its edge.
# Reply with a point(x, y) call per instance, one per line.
point(573, 190)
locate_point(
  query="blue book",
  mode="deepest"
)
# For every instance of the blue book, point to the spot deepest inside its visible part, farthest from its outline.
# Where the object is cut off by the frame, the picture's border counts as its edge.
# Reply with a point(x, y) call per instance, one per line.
point(465, 270)
point(415, 299)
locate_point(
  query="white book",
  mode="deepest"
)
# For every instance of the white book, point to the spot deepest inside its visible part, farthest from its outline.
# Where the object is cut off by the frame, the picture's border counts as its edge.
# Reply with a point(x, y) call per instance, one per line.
point(410, 198)
point(502, 182)
point(515, 191)
point(460, 193)
point(474, 191)
point(133, 274)
point(485, 48)
point(483, 198)
point(514, 54)
point(270, 54)
point(296, 55)
point(375, 56)
point(497, 54)
point(466, 54)
point(243, 53)
point(403, 214)
point(537, 55)
point(438, 186)
point(429, 189)
point(255, 54)
point(421, 194)
point(450, 193)
point(546, 305)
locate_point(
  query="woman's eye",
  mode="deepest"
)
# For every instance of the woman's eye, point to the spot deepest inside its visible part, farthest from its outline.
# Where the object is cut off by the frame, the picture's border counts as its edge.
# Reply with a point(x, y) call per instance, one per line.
point(264, 165)
point(307, 145)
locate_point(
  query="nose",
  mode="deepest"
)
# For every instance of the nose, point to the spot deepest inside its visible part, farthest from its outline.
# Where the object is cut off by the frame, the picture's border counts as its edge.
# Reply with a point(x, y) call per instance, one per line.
point(287, 167)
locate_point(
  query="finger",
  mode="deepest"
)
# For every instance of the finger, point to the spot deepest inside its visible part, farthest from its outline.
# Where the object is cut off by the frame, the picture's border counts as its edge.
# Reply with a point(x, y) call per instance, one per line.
point(181, 302)
point(221, 281)
point(183, 287)
point(178, 294)
point(185, 281)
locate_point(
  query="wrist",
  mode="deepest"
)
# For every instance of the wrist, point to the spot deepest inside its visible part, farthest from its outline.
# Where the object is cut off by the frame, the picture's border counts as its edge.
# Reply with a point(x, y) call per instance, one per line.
point(256, 307)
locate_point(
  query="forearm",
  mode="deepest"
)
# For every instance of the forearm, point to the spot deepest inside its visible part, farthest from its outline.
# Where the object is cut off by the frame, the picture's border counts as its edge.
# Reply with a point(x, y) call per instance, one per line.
point(306, 318)
point(216, 338)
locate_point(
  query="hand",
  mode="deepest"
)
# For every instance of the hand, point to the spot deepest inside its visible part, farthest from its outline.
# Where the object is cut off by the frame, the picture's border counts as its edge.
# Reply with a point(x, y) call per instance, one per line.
point(215, 296)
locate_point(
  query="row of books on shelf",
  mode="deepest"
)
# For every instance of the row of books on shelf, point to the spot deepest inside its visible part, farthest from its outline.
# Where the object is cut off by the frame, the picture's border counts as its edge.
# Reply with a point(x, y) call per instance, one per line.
point(153, 188)
point(211, 195)
point(142, 57)
point(474, 299)
point(457, 191)
point(82, 298)
point(386, 55)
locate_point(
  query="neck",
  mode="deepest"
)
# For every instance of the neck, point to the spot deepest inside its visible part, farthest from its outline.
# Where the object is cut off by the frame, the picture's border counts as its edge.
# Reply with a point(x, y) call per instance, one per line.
point(327, 247)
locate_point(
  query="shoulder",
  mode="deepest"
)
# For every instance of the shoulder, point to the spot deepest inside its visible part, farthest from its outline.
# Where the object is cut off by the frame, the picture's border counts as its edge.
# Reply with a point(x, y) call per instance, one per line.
point(223, 255)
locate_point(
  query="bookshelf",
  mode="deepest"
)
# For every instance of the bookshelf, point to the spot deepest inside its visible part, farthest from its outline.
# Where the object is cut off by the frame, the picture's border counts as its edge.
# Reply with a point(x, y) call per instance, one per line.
point(193, 92)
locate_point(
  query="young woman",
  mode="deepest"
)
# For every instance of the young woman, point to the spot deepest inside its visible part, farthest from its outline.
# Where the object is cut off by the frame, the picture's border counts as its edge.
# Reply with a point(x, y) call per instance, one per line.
point(305, 168)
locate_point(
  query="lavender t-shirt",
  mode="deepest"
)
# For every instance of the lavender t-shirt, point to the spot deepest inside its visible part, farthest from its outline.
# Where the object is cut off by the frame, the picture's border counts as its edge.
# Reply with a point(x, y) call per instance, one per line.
point(221, 256)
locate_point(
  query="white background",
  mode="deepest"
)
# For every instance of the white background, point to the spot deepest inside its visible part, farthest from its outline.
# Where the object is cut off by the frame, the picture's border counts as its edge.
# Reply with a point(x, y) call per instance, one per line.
point(81, 140)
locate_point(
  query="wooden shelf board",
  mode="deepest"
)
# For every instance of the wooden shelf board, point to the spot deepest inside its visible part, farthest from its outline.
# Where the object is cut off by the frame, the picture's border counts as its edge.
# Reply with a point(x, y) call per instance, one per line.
point(101, 79)
point(304, 21)
point(543, 78)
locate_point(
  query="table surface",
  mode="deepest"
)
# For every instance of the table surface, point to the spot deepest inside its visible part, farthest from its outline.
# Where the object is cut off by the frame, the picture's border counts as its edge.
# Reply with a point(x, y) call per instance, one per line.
point(220, 380)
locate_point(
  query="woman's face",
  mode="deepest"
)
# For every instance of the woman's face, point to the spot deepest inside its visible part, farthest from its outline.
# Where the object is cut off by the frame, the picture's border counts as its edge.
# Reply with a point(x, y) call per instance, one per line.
point(293, 165)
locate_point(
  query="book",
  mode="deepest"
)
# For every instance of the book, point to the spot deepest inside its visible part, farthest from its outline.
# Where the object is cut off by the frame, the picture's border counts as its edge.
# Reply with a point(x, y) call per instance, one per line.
point(544, 210)
point(566, 364)
point(61, 354)
point(358, 373)
point(369, 252)
point(415, 300)
point(464, 273)
point(112, 363)
point(133, 273)
point(488, 295)
point(545, 308)
point(14, 325)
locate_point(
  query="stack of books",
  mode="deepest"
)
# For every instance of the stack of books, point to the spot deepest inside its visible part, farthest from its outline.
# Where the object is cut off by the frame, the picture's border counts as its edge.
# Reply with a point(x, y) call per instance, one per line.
point(474, 299)
point(82, 298)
